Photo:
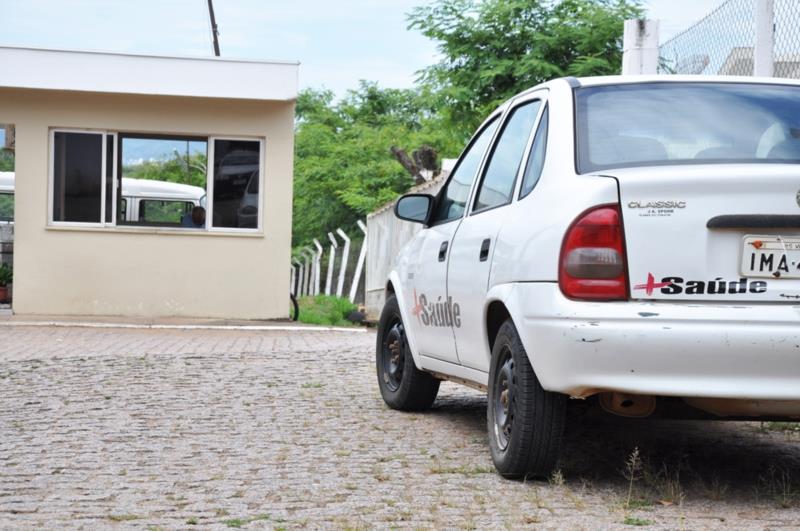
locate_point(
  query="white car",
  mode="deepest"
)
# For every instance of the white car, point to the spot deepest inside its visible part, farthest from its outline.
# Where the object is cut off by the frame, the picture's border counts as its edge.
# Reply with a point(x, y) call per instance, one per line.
point(634, 241)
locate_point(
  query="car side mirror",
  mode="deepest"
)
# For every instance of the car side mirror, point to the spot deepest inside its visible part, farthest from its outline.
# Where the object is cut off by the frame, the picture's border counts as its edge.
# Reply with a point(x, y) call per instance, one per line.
point(414, 207)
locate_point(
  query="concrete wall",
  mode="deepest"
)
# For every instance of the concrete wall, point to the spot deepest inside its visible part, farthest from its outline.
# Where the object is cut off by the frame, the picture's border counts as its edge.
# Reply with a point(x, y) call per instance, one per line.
point(148, 271)
point(386, 236)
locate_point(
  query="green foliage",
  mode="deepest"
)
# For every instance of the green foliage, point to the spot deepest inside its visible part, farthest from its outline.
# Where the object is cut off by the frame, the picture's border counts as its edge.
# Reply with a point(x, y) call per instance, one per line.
point(6, 274)
point(325, 310)
point(179, 169)
point(493, 49)
point(344, 168)
point(6, 160)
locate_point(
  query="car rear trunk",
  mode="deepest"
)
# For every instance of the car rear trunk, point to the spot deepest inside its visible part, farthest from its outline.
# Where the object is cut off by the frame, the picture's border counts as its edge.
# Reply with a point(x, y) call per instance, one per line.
point(713, 232)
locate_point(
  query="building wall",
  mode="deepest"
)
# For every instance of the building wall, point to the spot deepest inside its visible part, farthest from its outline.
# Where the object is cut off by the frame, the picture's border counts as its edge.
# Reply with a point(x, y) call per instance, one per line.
point(148, 271)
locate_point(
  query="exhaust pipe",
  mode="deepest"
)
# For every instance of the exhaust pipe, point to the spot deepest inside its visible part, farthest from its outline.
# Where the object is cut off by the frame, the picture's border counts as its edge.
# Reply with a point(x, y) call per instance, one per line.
point(627, 405)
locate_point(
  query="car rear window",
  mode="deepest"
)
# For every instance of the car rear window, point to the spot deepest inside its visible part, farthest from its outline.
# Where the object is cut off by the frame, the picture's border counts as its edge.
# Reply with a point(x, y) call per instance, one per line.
point(651, 124)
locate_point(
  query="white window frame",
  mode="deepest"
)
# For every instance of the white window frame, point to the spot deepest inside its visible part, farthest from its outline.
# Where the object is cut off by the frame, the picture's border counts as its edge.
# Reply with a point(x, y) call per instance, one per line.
point(51, 178)
point(116, 192)
point(210, 184)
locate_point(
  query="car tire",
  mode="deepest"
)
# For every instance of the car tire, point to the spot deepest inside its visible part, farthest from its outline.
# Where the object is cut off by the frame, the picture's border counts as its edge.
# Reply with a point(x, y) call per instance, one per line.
point(402, 385)
point(526, 423)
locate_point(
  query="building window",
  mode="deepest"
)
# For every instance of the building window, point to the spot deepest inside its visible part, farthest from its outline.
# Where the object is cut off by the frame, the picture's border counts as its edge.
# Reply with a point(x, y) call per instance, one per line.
point(126, 179)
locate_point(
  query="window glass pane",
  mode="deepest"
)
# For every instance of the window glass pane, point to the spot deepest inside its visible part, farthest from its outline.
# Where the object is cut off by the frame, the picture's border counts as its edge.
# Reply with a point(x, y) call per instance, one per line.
point(77, 177)
point(6, 207)
point(453, 198)
point(168, 176)
point(236, 174)
point(648, 124)
point(153, 211)
point(501, 171)
point(6, 147)
point(536, 159)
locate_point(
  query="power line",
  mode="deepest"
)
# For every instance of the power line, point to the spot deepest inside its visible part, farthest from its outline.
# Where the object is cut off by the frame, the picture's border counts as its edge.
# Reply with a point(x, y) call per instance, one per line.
point(214, 29)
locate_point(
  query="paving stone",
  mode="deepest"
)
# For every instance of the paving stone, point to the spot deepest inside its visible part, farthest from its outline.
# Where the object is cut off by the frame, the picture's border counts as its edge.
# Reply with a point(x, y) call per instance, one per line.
point(118, 428)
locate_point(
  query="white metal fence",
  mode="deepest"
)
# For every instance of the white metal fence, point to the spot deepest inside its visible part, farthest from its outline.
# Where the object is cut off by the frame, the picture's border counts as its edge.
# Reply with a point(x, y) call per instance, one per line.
point(343, 268)
point(740, 37)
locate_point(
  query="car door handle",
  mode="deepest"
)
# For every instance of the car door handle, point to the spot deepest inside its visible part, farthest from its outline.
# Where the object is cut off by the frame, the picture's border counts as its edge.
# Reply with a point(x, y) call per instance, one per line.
point(485, 250)
point(443, 251)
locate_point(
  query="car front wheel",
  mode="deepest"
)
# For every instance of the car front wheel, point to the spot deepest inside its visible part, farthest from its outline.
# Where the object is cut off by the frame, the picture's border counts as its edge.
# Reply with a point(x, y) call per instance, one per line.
point(526, 422)
point(402, 385)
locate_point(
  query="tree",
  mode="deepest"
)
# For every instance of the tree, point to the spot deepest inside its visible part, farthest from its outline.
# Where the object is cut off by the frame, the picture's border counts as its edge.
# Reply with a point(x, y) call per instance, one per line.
point(493, 49)
point(344, 165)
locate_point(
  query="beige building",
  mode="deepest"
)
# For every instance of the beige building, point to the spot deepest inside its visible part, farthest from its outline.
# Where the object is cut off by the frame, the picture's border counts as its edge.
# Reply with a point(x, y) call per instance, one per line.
point(99, 230)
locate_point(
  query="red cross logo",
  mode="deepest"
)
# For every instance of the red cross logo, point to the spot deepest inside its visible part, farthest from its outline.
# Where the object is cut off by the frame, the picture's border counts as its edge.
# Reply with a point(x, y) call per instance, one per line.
point(417, 309)
point(652, 284)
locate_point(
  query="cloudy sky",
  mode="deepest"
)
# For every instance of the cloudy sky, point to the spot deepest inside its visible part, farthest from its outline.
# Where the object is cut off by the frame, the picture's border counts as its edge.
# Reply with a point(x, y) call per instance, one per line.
point(337, 42)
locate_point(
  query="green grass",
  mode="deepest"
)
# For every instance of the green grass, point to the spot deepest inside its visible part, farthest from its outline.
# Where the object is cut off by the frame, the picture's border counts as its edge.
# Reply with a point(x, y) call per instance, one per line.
point(235, 522)
point(325, 310)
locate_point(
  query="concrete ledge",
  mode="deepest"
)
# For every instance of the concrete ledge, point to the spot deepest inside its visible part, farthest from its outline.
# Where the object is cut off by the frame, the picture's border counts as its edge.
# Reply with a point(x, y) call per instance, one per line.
point(9, 320)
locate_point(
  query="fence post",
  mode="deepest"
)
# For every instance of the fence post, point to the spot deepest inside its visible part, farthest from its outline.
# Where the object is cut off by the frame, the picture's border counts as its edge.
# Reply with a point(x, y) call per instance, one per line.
point(343, 262)
point(317, 268)
point(764, 60)
point(640, 47)
point(297, 269)
point(309, 270)
point(360, 264)
point(331, 260)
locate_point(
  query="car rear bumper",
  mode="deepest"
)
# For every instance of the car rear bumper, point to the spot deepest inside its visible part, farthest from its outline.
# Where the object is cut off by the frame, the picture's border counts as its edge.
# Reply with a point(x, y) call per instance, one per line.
point(745, 351)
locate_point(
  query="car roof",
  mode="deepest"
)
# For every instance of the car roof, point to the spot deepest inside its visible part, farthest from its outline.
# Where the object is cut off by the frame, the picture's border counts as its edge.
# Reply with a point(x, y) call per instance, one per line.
point(597, 81)
point(150, 188)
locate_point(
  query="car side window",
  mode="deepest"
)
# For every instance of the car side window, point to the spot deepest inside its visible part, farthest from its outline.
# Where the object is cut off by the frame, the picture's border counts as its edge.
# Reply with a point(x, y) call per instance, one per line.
point(452, 200)
point(497, 185)
point(533, 170)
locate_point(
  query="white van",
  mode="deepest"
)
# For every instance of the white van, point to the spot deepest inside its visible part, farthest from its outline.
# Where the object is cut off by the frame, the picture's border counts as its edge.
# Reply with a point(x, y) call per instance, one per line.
point(143, 201)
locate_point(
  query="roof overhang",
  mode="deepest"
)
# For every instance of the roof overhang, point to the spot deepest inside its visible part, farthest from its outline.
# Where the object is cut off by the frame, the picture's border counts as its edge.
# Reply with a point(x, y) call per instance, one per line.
point(83, 71)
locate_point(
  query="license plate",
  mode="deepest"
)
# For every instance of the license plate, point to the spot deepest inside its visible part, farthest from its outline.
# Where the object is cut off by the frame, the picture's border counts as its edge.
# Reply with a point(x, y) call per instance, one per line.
point(771, 257)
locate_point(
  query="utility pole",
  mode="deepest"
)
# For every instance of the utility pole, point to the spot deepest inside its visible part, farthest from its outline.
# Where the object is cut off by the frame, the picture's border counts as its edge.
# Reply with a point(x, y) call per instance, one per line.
point(214, 29)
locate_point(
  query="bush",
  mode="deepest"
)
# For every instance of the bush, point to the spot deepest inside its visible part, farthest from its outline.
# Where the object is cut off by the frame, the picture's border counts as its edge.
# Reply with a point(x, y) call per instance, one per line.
point(325, 310)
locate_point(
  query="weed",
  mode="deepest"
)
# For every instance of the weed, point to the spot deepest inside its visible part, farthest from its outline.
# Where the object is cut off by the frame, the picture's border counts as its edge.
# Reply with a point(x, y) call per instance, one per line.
point(123, 517)
point(466, 470)
point(557, 478)
point(191, 521)
point(780, 486)
point(632, 472)
point(632, 520)
point(234, 522)
point(312, 385)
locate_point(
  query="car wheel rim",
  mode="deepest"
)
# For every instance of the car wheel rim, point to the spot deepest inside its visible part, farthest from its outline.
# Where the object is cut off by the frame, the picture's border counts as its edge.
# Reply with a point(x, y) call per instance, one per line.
point(394, 354)
point(503, 399)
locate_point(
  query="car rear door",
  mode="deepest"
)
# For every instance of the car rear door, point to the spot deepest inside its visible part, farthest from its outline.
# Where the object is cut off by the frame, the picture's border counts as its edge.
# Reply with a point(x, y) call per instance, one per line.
point(431, 311)
point(473, 247)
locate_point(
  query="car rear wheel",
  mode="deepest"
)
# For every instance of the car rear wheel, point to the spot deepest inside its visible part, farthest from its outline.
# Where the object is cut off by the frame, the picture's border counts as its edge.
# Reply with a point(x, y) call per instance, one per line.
point(402, 385)
point(526, 423)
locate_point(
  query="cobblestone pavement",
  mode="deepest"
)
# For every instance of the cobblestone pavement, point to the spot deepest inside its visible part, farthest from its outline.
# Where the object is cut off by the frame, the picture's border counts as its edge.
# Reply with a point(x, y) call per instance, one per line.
point(110, 428)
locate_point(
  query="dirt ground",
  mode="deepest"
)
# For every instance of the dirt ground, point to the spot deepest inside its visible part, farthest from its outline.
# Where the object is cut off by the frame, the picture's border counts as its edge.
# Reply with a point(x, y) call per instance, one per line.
point(182, 429)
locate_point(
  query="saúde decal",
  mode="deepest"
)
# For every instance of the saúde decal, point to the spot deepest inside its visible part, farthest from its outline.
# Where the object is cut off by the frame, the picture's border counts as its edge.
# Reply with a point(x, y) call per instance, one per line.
point(718, 286)
point(436, 313)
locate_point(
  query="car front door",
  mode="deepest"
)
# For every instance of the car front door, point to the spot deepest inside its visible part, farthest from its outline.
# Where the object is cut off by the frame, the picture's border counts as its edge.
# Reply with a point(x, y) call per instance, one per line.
point(431, 312)
point(473, 245)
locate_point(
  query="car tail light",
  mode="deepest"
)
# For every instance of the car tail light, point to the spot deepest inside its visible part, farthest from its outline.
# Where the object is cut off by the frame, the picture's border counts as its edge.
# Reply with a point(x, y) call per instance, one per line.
point(593, 257)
